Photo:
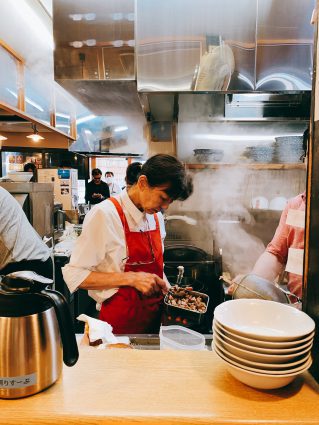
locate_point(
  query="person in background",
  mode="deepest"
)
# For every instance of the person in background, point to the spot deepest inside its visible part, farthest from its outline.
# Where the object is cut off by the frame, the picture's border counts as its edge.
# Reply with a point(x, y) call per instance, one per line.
point(285, 250)
point(96, 190)
point(119, 255)
point(113, 185)
point(131, 172)
point(21, 248)
point(31, 168)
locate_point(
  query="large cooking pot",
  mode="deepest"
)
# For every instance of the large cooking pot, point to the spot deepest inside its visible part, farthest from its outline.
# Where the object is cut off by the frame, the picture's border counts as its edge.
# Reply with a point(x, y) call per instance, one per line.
point(253, 286)
point(181, 252)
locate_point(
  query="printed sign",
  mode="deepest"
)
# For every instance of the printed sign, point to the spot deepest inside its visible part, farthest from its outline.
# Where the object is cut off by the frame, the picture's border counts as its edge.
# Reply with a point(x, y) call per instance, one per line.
point(22, 381)
point(296, 218)
point(295, 261)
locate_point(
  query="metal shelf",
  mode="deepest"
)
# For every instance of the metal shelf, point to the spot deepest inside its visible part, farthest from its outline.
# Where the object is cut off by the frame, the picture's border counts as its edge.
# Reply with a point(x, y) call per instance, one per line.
point(259, 166)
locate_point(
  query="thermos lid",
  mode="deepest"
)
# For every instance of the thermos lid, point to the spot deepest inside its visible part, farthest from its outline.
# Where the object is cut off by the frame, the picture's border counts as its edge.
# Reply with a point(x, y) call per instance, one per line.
point(19, 297)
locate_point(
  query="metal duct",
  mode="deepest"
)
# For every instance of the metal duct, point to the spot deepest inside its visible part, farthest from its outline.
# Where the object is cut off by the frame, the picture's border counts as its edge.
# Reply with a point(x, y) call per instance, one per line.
point(103, 49)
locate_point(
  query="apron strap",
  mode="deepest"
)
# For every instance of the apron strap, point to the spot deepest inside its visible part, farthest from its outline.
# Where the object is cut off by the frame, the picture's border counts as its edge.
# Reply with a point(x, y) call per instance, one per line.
point(120, 211)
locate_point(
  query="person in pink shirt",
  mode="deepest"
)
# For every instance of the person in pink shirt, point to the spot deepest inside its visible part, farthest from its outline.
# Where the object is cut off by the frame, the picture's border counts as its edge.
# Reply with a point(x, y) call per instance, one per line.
point(274, 259)
point(286, 246)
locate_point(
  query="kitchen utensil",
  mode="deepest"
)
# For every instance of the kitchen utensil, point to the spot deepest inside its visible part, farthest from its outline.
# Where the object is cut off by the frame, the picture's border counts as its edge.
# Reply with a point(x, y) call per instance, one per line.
point(180, 338)
point(180, 275)
point(247, 354)
point(35, 323)
point(253, 286)
point(263, 344)
point(259, 379)
point(183, 252)
point(271, 368)
point(176, 314)
point(213, 155)
point(254, 318)
point(260, 202)
point(278, 203)
point(246, 345)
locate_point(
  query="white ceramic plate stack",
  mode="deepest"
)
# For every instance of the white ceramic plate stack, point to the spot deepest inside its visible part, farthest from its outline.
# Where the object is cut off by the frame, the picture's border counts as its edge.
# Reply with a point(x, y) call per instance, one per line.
point(264, 344)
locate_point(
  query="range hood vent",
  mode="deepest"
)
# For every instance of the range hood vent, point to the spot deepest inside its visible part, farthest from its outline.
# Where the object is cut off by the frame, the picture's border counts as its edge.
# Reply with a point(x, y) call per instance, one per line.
point(136, 58)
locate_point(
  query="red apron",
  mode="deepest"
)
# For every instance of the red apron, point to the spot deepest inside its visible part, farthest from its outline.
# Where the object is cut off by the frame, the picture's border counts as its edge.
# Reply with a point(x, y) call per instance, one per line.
point(129, 311)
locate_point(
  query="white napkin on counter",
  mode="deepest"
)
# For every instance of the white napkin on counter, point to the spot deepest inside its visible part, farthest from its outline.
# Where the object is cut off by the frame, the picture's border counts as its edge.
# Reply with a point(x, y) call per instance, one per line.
point(99, 330)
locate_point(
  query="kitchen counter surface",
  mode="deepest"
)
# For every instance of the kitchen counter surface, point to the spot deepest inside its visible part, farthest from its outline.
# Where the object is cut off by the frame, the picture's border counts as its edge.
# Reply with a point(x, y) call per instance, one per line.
point(160, 387)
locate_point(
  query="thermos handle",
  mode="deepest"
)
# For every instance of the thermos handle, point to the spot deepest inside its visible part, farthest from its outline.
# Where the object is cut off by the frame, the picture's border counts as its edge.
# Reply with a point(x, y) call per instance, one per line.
point(70, 347)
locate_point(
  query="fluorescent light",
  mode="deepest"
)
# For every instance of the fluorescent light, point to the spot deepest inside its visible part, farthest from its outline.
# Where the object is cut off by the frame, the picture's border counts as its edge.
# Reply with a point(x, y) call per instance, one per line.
point(232, 137)
point(86, 118)
point(28, 100)
point(61, 115)
point(120, 128)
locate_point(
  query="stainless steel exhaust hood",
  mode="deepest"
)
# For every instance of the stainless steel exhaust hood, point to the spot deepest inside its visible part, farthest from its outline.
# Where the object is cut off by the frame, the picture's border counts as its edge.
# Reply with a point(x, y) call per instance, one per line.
point(130, 57)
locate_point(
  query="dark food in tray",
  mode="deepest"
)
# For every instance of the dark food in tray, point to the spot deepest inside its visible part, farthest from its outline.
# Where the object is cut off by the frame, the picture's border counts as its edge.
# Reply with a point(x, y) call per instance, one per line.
point(186, 299)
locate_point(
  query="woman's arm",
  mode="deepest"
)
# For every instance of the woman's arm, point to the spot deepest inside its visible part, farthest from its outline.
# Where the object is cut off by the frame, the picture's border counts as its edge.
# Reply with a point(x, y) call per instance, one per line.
point(146, 283)
point(268, 266)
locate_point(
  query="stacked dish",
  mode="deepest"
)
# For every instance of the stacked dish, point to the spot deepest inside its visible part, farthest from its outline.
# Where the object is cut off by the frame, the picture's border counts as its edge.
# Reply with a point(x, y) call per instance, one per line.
point(264, 344)
point(288, 149)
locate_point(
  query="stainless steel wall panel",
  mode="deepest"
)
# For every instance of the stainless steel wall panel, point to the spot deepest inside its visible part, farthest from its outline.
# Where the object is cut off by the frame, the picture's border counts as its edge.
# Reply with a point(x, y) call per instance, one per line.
point(172, 36)
point(284, 45)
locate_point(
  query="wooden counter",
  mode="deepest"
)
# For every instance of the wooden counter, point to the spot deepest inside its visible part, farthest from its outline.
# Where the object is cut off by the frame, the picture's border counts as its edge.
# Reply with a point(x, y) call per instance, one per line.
point(160, 387)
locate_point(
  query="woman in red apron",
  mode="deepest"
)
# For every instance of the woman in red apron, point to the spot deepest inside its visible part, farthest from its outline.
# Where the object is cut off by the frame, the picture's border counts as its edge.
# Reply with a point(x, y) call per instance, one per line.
point(129, 311)
point(131, 301)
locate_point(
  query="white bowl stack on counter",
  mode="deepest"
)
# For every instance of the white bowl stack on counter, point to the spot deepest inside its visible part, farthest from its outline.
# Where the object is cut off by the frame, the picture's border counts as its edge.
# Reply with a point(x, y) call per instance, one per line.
point(264, 344)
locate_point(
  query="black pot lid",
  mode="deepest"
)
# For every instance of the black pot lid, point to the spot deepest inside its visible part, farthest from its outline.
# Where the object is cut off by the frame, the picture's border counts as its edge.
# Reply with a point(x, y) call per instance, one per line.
point(181, 252)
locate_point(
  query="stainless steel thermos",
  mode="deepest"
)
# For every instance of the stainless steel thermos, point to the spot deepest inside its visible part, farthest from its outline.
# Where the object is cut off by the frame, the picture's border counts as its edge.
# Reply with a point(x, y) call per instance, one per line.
point(36, 331)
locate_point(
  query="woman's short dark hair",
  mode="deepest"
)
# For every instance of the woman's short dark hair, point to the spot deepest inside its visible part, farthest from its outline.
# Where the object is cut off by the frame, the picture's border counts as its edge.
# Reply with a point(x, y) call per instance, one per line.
point(132, 173)
point(109, 172)
point(96, 171)
point(164, 169)
point(29, 166)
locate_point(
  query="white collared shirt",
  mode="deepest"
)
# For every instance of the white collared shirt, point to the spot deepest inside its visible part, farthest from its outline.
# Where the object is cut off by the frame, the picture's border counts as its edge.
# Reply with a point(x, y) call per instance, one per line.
point(101, 246)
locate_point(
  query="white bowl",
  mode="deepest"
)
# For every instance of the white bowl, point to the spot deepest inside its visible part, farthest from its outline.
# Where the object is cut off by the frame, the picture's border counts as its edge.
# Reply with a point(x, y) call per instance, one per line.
point(266, 372)
point(260, 202)
point(259, 380)
point(264, 320)
point(278, 203)
point(259, 344)
point(246, 346)
point(261, 359)
point(20, 176)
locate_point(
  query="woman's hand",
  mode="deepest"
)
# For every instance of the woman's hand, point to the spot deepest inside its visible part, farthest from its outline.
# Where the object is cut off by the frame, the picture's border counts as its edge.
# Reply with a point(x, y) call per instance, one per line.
point(147, 283)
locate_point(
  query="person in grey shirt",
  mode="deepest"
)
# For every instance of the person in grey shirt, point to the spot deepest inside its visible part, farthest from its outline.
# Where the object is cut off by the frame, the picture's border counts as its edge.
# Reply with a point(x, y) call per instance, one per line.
point(21, 248)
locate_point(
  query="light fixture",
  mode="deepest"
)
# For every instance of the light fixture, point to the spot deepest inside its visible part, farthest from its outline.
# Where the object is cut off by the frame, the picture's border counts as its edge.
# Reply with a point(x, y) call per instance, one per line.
point(118, 43)
point(3, 138)
point(35, 137)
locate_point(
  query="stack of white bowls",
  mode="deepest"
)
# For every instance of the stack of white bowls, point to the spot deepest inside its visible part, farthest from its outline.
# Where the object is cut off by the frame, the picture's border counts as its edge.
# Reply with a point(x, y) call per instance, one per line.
point(264, 344)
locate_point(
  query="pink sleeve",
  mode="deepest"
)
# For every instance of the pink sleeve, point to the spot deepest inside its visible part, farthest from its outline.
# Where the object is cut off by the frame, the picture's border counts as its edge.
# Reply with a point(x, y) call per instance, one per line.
point(278, 245)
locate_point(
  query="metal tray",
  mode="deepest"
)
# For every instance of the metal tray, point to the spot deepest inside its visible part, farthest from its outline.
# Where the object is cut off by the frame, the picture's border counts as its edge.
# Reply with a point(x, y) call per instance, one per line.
point(182, 316)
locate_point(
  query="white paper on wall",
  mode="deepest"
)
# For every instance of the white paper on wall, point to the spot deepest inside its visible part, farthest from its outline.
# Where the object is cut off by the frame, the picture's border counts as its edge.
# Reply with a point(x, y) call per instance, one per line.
point(295, 261)
point(296, 218)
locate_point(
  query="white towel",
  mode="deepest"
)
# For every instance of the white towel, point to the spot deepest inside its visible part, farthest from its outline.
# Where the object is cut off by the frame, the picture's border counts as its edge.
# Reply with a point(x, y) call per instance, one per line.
point(99, 330)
